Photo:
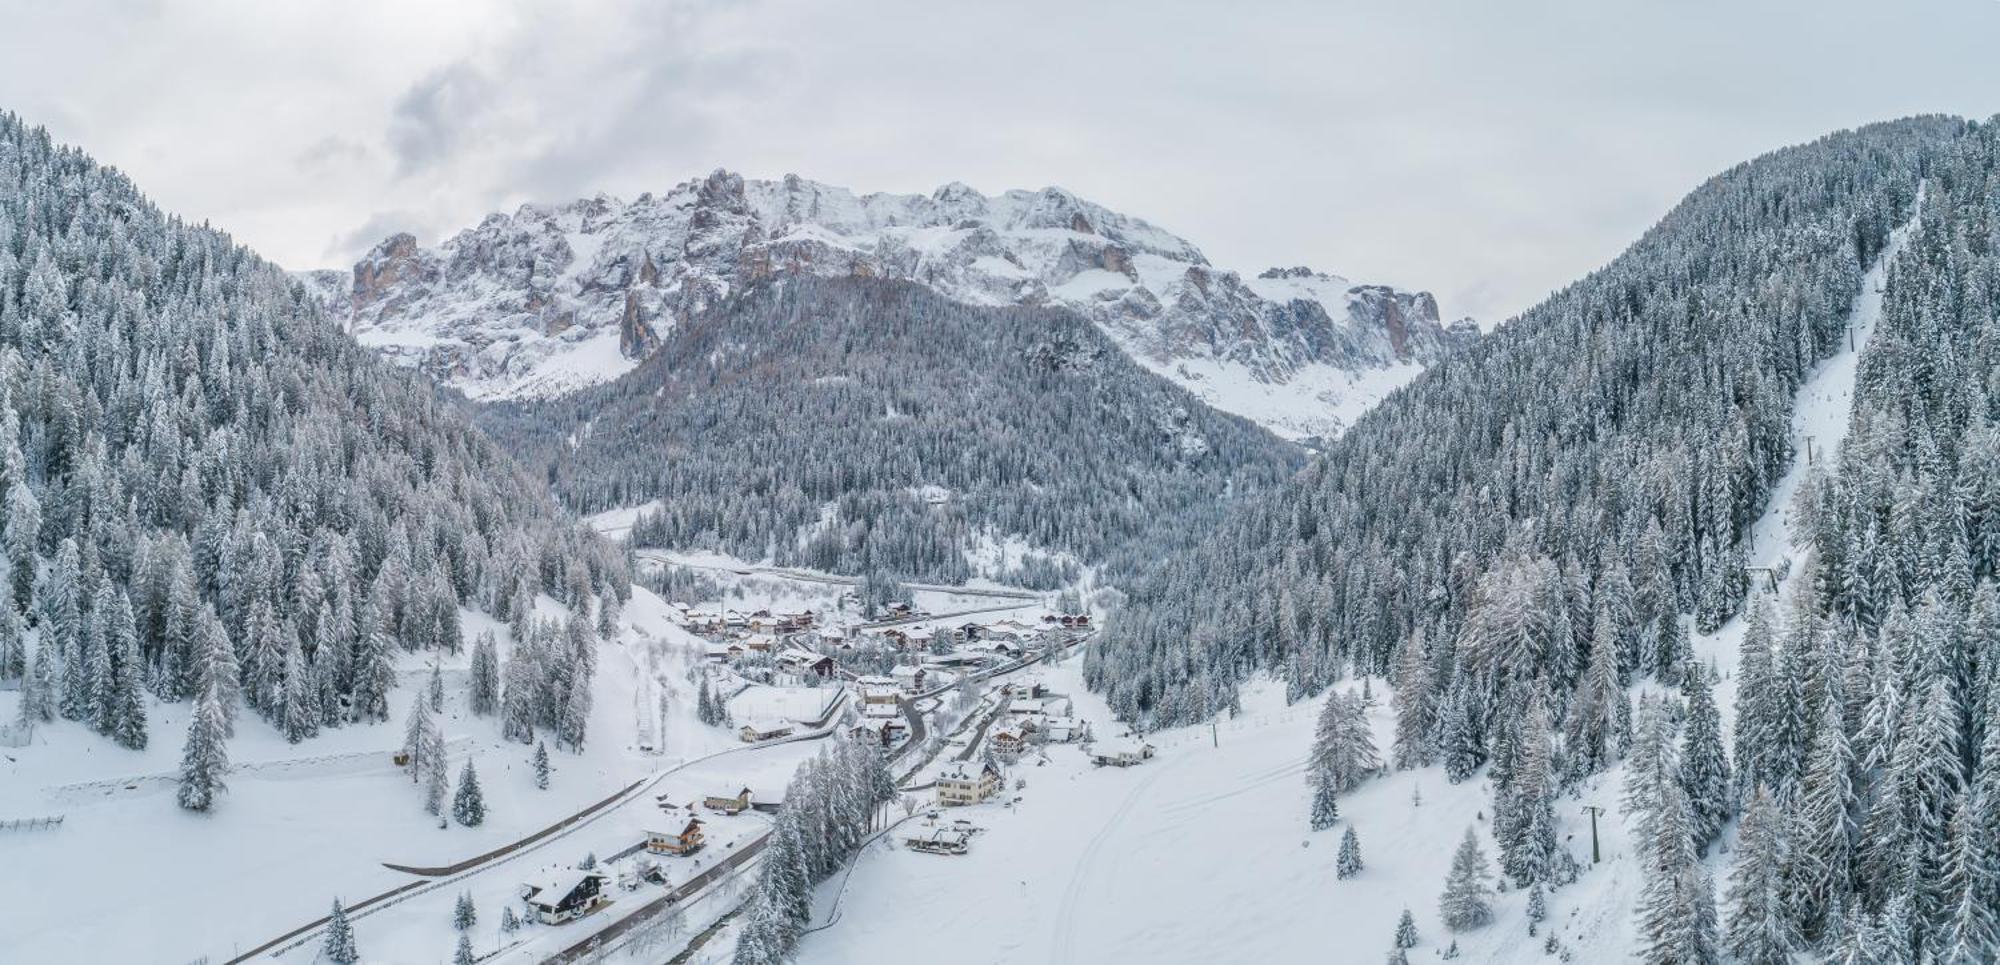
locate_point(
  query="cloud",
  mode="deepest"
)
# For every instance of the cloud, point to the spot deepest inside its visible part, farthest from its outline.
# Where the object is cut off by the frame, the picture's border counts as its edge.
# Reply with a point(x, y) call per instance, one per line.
point(346, 247)
point(430, 122)
point(1488, 152)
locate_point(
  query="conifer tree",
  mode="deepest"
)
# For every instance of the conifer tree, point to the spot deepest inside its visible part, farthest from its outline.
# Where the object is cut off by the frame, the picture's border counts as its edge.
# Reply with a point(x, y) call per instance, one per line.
point(1760, 926)
point(463, 955)
point(1349, 863)
point(1406, 930)
point(1466, 900)
point(205, 757)
point(541, 765)
point(338, 946)
point(1704, 769)
point(468, 805)
point(128, 701)
point(1415, 704)
point(464, 914)
point(434, 690)
point(485, 675)
point(1343, 752)
point(437, 783)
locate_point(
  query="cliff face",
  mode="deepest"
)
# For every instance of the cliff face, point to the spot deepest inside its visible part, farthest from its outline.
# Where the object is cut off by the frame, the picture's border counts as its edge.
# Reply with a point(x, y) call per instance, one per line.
point(549, 299)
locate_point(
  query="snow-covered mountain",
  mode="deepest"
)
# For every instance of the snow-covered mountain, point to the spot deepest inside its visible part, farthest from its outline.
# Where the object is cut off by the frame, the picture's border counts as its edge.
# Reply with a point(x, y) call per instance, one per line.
point(549, 299)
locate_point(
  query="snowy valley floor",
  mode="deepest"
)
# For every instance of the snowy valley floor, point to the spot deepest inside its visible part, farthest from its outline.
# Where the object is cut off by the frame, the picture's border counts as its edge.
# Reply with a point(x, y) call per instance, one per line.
point(1203, 855)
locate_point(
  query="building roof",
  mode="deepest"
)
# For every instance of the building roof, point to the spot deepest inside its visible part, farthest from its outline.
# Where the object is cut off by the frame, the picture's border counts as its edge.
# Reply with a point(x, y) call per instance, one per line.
point(1118, 747)
point(966, 772)
point(552, 887)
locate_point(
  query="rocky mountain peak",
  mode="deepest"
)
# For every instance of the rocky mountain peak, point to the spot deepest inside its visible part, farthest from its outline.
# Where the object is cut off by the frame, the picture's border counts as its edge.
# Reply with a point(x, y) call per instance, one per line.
point(552, 298)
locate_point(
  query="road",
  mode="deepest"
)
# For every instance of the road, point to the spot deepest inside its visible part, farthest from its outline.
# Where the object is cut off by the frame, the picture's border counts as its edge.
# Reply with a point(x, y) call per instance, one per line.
point(435, 877)
point(808, 576)
point(606, 937)
point(686, 889)
point(919, 732)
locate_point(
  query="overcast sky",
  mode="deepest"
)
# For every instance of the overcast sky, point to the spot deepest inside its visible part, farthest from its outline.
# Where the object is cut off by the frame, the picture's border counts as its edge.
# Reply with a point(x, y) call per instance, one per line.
point(1487, 151)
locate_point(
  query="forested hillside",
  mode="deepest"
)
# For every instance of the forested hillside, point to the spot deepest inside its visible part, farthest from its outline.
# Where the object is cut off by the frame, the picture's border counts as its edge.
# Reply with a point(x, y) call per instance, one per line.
point(1522, 534)
point(1605, 446)
point(872, 426)
point(211, 491)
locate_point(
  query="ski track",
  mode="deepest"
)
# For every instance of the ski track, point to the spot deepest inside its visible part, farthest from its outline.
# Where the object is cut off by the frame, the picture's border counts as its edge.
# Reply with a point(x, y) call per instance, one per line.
point(1063, 949)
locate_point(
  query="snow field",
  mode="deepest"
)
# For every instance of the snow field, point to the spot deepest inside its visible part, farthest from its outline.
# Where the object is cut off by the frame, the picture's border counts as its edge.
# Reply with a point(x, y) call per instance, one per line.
point(303, 823)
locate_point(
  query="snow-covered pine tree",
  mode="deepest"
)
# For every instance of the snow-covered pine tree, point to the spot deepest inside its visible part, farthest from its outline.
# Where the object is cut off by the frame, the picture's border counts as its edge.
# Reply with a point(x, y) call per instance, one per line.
point(1415, 705)
point(1325, 801)
point(1755, 728)
point(1704, 768)
point(416, 737)
point(1349, 862)
point(1761, 931)
point(128, 700)
point(338, 945)
point(299, 700)
point(1598, 723)
point(1343, 751)
point(217, 670)
point(468, 805)
point(1461, 739)
point(434, 690)
point(374, 671)
point(1819, 863)
point(575, 719)
point(463, 954)
point(1406, 930)
point(205, 756)
point(1527, 838)
point(1677, 919)
point(509, 924)
point(436, 770)
point(485, 697)
point(1466, 902)
point(464, 914)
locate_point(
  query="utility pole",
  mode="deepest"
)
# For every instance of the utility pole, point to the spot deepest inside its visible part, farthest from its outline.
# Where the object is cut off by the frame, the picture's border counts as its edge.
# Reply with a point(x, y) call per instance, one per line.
point(1595, 855)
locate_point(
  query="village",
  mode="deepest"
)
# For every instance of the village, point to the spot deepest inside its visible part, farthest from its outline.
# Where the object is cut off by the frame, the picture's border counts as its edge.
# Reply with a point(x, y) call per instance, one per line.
point(954, 702)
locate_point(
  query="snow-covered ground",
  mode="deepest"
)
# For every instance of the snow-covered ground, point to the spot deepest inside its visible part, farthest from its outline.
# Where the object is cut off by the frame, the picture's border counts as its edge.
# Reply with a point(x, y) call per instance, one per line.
point(303, 823)
point(1203, 855)
point(1317, 400)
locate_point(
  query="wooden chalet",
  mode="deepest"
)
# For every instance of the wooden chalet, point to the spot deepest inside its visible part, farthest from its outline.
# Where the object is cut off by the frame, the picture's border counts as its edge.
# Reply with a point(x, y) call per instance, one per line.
point(1008, 742)
point(680, 835)
point(564, 895)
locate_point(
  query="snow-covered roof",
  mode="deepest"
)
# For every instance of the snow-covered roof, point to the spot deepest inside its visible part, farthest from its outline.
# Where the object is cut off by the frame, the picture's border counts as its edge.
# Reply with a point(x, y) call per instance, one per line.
point(553, 887)
point(964, 772)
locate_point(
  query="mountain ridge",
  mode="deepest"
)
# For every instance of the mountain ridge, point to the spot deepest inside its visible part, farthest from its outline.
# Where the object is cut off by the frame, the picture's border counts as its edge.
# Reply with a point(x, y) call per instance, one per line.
point(551, 298)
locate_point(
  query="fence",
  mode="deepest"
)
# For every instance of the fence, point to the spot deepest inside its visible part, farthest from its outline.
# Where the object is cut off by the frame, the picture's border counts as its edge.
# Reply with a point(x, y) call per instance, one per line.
point(32, 824)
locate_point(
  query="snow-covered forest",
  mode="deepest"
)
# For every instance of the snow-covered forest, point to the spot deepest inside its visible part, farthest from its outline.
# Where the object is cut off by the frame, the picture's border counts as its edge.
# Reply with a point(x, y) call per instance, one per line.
point(213, 495)
point(1536, 525)
point(862, 426)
